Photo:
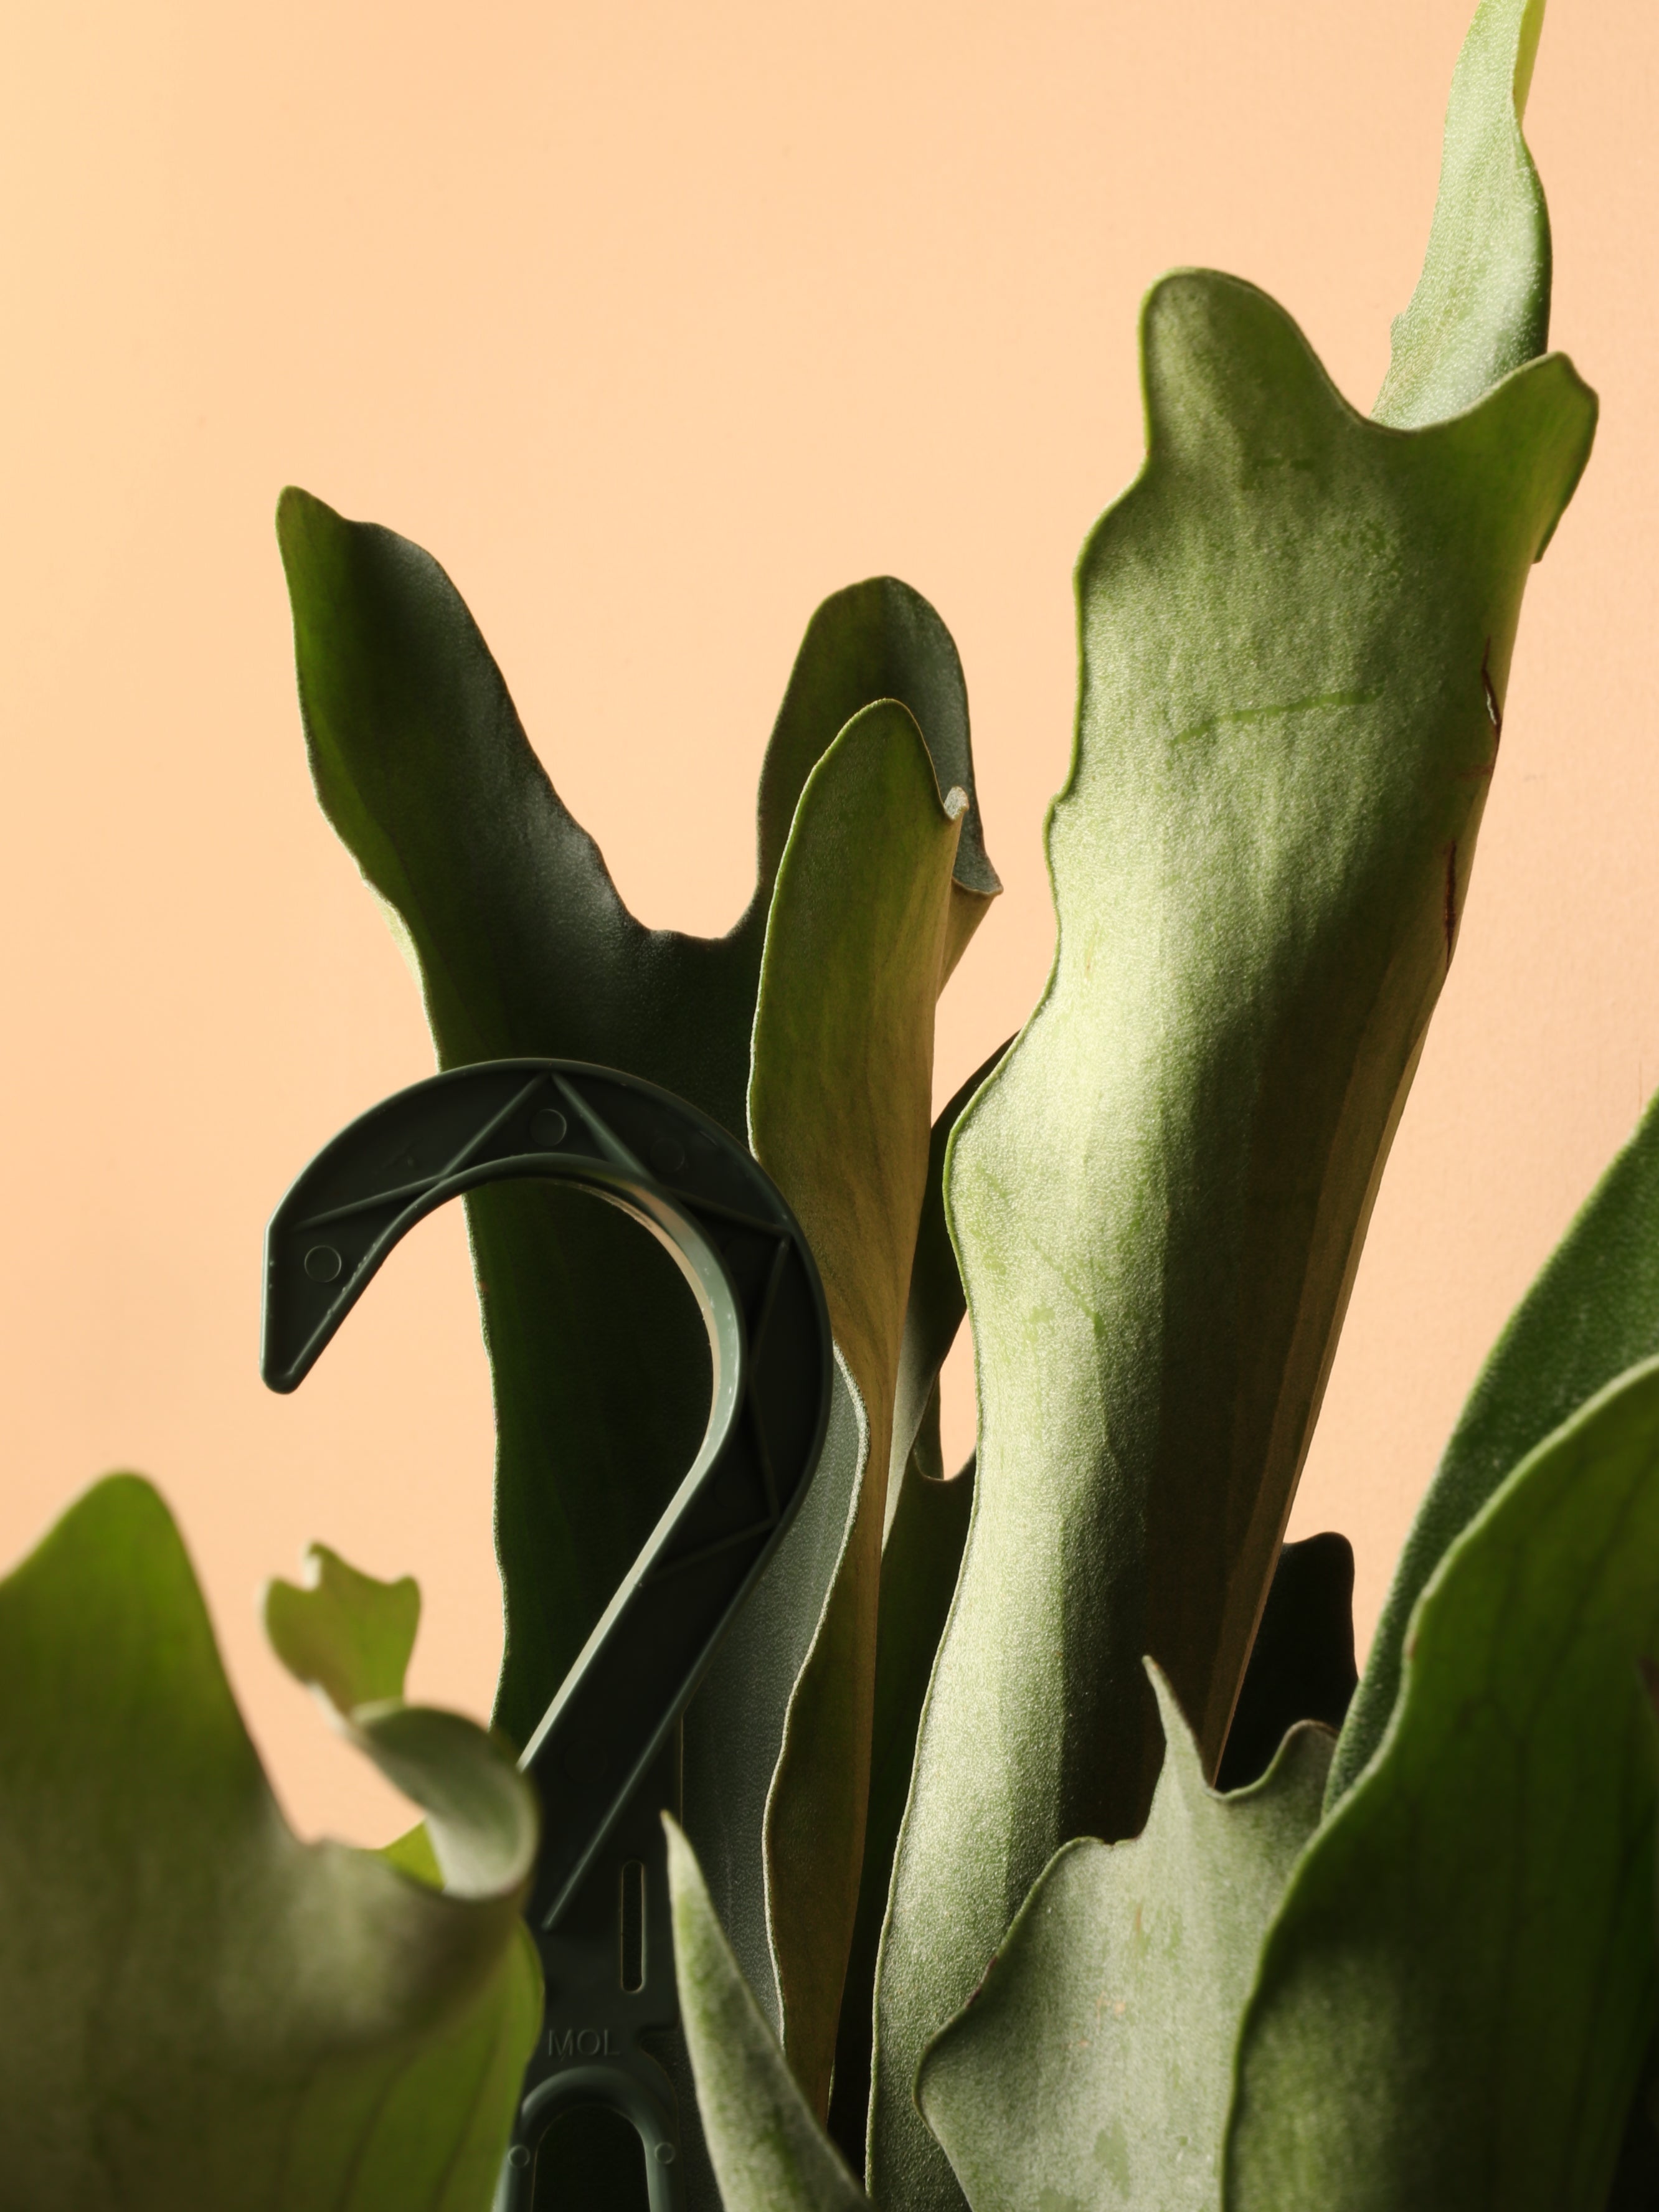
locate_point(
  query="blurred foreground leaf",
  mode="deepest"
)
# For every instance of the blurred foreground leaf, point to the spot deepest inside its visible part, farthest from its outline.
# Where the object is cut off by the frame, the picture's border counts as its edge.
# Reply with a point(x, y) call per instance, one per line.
point(349, 1637)
point(201, 2010)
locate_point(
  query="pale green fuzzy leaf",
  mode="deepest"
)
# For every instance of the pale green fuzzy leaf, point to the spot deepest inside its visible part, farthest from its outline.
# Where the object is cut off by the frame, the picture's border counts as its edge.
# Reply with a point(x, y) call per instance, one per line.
point(839, 1110)
point(1094, 2063)
point(200, 2010)
point(1296, 636)
point(770, 2154)
point(1482, 303)
point(1296, 631)
point(1456, 1998)
point(1593, 1312)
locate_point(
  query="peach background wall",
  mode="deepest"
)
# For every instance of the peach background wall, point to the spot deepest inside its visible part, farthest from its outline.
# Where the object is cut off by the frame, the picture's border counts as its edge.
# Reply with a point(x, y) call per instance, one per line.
point(657, 324)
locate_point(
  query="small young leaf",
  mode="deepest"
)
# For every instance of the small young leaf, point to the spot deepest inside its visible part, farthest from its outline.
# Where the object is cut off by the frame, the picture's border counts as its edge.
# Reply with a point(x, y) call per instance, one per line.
point(1456, 1998)
point(1593, 1312)
point(839, 1109)
point(1092, 2065)
point(770, 2154)
point(197, 2004)
point(345, 1633)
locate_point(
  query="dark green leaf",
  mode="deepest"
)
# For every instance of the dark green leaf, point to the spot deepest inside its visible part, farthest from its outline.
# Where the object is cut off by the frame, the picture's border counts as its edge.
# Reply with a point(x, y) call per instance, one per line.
point(933, 1312)
point(523, 947)
point(1593, 1312)
point(1456, 2001)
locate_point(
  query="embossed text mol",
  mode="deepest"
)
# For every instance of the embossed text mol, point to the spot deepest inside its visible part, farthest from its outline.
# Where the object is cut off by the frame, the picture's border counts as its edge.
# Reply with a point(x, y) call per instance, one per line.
point(580, 2043)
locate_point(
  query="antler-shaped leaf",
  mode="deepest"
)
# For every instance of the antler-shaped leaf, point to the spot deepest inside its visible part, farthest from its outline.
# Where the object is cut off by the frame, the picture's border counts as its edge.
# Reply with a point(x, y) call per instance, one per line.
point(1296, 636)
point(1094, 2063)
point(523, 947)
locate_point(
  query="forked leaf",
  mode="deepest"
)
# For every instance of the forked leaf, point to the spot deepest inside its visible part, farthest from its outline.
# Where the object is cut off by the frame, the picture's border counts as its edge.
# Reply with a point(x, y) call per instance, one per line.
point(1093, 2064)
point(1455, 2000)
point(1297, 627)
point(197, 2004)
point(523, 947)
point(770, 2154)
point(1593, 1312)
point(839, 1109)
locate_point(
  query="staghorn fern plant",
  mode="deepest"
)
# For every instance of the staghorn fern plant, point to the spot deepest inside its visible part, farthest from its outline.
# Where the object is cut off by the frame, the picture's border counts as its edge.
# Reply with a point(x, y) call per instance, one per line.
point(1071, 1716)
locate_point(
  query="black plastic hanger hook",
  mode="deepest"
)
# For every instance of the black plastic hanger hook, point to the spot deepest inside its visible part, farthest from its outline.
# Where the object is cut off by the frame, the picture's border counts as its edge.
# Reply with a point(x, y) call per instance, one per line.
point(604, 1756)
